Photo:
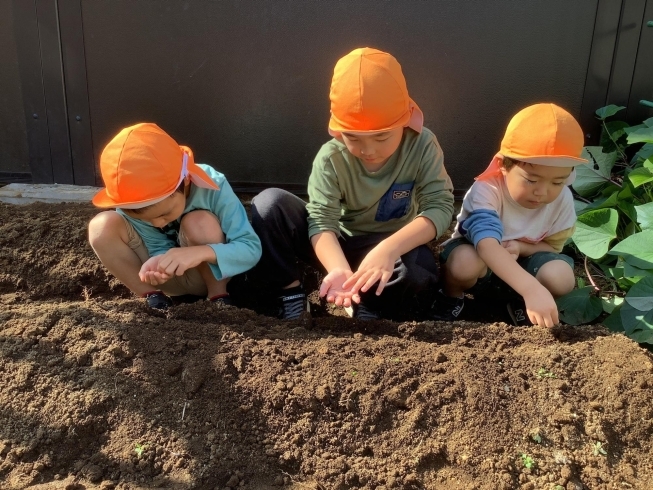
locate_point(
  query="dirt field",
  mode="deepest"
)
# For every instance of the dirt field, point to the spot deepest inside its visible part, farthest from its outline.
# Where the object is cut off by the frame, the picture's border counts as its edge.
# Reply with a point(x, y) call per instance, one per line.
point(98, 392)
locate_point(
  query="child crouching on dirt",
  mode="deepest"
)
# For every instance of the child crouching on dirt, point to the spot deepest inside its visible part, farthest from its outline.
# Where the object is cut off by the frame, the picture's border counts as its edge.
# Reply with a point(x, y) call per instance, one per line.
point(178, 228)
point(378, 192)
point(515, 220)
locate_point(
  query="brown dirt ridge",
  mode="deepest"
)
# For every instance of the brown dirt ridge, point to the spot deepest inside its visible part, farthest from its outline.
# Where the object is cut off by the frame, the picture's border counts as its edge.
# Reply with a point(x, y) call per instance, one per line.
point(97, 392)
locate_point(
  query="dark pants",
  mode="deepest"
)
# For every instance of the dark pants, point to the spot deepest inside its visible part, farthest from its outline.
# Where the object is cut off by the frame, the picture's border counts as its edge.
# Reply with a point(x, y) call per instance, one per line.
point(280, 220)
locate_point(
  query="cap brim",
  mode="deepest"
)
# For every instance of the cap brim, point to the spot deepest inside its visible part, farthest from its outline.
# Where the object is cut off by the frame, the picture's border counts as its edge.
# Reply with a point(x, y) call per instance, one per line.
point(549, 160)
point(413, 119)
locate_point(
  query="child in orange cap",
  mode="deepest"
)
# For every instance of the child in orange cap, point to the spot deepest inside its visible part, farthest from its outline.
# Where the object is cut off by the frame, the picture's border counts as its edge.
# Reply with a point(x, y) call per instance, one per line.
point(515, 220)
point(178, 228)
point(378, 192)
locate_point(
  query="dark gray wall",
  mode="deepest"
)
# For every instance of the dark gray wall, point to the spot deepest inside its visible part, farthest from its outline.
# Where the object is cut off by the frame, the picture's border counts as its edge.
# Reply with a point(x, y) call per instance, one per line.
point(245, 83)
point(14, 155)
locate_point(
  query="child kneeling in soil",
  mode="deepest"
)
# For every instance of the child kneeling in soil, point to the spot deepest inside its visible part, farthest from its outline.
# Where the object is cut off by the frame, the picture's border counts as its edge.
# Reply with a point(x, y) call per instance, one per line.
point(178, 228)
point(378, 192)
point(515, 220)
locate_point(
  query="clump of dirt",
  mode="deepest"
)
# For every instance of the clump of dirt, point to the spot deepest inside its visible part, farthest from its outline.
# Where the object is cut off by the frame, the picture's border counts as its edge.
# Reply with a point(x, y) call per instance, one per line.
point(96, 391)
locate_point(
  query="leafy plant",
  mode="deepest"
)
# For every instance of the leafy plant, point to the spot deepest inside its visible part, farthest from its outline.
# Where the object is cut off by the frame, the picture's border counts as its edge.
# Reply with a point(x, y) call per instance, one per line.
point(139, 449)
point(614, 231)
point(527, 461)
point(544, 373)
point(597, 448)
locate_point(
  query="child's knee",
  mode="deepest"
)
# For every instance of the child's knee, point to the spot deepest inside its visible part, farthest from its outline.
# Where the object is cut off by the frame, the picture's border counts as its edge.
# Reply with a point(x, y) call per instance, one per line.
point(269, 205)
point(105, 226)
point(557, 276)
point(464, 264)
point(199, 228)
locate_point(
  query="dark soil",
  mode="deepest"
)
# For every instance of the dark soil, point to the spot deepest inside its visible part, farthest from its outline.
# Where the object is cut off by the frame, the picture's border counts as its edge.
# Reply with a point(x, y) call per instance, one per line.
point(98, 392)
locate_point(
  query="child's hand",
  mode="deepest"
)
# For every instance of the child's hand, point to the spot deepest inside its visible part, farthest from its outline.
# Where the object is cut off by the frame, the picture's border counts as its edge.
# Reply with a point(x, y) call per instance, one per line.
point(333, 288)
point(150, 274)
point(377, 265)
point(176, 261)
point(541, 308)
point(512, 246)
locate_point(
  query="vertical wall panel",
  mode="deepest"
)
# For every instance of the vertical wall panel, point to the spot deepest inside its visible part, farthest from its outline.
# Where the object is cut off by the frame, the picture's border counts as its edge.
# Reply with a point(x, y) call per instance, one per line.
point(246, 83)
point(14, 157)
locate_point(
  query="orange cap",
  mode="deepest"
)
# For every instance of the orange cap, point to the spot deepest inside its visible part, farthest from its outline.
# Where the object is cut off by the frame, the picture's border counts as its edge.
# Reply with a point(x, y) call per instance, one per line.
point(541, 134)
point(142, 165)
point(369, 94)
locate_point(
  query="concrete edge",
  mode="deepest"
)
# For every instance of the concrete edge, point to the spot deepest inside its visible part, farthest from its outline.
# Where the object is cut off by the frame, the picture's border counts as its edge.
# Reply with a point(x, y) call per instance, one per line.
point(49, 193)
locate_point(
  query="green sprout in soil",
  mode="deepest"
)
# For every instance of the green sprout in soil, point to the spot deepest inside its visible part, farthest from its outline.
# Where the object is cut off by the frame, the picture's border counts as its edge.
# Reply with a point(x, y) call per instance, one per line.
point(597, 448)
point(535, 435)
point(527, 461)
point(545, 373)
point(354, 373)
point(139, 448)
point(558, 487)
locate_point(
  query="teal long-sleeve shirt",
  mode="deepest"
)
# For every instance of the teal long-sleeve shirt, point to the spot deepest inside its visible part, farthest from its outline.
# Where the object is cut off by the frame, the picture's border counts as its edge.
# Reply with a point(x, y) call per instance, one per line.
point(344, 197)
point(242, 249)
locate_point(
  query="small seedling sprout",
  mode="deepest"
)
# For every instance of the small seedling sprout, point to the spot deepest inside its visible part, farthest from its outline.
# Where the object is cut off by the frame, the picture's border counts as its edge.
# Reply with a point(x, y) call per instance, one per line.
point(139, 448)
point(527, 461)
point(598, 449)
point(535, 435)
point(545, 373)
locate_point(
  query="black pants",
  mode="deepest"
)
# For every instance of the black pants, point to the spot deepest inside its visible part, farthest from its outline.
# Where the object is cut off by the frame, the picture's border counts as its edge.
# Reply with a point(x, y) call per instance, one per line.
point(280, 220)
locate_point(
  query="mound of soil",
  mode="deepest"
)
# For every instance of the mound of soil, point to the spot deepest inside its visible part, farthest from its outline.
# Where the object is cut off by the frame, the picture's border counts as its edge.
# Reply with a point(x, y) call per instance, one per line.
point(96, 391)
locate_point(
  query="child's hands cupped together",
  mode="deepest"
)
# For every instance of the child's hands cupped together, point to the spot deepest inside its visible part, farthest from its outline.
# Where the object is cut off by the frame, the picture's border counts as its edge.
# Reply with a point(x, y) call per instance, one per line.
point(512, 246)
point(333, 288)
point(150, 274)
point(541, 308)
point(377, 266)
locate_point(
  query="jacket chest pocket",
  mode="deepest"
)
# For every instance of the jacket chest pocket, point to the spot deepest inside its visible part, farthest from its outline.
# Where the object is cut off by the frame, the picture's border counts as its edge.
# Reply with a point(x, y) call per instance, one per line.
point(395, 203)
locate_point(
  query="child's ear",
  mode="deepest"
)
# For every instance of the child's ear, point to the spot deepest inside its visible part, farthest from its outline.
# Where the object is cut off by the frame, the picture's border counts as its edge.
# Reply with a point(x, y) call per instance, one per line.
point(502, 167)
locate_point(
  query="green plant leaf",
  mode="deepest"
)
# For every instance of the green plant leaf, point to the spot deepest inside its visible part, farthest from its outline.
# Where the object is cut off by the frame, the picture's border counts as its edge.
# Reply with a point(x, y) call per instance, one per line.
point(595, 230)
point(641, 136)
point(613, 136)
point(640, 176)
point(632, 129)
point(592, 176)
point(640, 295)
point(637, 249)
point(608, 110)
point(609, 304)
point(613, 322)
point(644, 152)
point(632, 272)
point(604, 202)
point(645, 215)
point(579, 306)
point(637, 323)
point(649, 122)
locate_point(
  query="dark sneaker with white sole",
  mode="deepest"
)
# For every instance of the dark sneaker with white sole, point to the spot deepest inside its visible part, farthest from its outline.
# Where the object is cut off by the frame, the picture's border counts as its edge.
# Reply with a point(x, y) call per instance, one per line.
point(294, 302)
point(158, 300)
point(361, 312)
point(517, 312)
point(446, 308)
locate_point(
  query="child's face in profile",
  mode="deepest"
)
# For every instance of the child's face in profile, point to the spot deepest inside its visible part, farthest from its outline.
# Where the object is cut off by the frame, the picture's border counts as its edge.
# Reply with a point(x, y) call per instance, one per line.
point(533, 186)
point(161, 213)
point(373, 149)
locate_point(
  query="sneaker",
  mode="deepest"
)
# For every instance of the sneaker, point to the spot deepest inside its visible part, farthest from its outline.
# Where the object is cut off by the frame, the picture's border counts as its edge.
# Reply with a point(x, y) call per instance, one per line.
point(293, 303)
point(362, 312)
point(221, 299)
point(517, 311)
point(446, 308)
point(158, 300)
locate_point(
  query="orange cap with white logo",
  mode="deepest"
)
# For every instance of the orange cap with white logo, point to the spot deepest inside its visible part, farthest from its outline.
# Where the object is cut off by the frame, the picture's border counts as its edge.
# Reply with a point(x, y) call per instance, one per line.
point(540, 134)
point(369, 94)
point(142, 165)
